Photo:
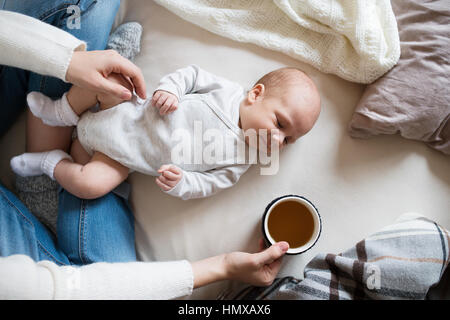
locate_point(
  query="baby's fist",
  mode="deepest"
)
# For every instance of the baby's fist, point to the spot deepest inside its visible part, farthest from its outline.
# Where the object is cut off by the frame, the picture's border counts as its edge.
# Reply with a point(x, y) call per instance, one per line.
point(169, 177)
point(165, 101)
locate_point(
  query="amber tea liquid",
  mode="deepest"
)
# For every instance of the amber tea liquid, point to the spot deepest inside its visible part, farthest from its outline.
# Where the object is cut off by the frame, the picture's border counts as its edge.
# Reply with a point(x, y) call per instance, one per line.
point(291, 221)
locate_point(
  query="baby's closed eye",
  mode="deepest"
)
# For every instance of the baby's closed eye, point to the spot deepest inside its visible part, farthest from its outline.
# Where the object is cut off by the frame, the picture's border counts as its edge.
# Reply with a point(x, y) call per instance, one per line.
point(279, 125)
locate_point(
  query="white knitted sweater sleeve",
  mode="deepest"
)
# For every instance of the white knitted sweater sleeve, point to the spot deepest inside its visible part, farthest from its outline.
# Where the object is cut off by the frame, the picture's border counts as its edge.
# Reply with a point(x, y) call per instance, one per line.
point(30, 44)
point(22, 278)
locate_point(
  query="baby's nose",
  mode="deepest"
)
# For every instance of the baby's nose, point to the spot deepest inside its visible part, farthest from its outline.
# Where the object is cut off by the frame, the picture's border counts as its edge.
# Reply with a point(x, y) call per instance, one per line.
point(278, 138)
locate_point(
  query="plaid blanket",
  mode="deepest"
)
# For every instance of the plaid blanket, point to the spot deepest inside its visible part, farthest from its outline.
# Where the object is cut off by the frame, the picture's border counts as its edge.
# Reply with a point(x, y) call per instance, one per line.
point(402, 261)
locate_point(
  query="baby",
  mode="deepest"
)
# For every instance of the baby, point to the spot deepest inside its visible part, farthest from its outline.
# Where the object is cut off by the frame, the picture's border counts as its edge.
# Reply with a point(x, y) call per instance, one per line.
point(138, 135)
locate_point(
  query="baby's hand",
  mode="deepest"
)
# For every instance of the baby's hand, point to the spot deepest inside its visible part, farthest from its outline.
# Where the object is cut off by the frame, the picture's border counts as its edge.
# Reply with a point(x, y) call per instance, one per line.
point(165, 101)
point(169, 178)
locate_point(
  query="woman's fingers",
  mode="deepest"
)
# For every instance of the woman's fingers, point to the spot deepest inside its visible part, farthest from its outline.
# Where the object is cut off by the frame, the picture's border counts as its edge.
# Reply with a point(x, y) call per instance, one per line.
point(107, 86)
point(273, 270)
point(272, 253)
point(89, 69)
point(261, 244)
point(127, 68)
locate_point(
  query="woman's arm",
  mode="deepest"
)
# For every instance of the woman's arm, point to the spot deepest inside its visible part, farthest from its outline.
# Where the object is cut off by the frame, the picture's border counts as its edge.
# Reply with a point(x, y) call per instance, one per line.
point(30, 44)
point(22, 278)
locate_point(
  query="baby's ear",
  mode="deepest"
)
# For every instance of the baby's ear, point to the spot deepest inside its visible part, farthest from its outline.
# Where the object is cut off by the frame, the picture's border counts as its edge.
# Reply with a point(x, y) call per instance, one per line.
point(256, 92)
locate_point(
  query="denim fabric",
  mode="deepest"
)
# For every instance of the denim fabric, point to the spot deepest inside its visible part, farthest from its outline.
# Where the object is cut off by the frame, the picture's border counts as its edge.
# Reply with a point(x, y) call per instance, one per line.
point(103, 229)
point(88, 230)
point(22, 233)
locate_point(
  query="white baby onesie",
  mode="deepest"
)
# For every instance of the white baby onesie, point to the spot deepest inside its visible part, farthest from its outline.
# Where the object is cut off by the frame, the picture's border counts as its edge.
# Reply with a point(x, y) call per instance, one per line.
point(137, 136)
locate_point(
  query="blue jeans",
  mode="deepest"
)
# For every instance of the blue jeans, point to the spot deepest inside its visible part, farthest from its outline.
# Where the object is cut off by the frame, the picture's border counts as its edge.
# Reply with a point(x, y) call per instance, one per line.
point(88, 230)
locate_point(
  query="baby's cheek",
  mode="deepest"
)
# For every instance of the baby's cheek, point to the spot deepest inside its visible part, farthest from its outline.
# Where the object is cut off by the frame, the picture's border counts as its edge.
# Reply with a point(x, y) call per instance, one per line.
point(252, 140)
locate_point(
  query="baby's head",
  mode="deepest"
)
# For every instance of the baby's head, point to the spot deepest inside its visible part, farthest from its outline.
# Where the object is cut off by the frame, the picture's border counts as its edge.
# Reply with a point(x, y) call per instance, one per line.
point(285, 99)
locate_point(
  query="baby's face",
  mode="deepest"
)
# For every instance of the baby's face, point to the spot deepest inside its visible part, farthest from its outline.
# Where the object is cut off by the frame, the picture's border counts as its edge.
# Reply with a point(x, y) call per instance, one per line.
point(292, 111)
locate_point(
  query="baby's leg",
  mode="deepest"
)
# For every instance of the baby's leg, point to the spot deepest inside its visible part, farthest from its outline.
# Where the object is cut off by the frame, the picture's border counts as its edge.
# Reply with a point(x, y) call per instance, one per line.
point(81, 100)
point(41, 137)
point(67, 110)
point(91, 180)
point(78, 153)
point(63, 112)
point(44, 134)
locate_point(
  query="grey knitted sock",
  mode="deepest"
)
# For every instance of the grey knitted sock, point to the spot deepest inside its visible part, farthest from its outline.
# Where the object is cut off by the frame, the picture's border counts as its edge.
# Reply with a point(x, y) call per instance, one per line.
point(40, 196)
point(126, 40)
point(40, 193)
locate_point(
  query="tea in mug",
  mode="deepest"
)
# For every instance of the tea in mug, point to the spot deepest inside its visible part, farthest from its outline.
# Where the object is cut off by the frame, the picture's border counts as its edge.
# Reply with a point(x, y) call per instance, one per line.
point(291, 221)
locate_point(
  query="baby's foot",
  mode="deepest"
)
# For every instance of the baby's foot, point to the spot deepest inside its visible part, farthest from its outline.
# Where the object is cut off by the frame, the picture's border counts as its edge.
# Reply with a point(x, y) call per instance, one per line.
point(52, 112)
point(37, 163)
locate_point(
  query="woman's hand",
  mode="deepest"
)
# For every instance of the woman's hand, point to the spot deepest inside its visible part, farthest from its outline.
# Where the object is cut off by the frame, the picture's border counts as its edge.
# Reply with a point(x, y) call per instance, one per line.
point(259, 269)
point(90, 69)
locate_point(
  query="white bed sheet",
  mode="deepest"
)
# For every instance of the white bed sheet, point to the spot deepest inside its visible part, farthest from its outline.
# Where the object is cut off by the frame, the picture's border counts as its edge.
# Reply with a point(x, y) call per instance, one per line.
point(358, 186)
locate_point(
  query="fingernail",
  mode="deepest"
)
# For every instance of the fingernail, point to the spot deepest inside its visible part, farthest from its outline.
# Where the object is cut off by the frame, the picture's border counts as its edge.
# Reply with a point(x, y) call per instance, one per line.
point(284, 246)
point(126, 94)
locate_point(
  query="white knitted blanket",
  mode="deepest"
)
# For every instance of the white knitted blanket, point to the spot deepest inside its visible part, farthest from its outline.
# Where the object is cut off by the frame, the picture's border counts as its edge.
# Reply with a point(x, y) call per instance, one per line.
point(354, 39)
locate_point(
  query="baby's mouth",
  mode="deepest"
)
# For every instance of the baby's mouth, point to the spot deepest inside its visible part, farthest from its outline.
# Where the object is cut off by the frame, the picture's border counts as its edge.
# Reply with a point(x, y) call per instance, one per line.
point(266, 140)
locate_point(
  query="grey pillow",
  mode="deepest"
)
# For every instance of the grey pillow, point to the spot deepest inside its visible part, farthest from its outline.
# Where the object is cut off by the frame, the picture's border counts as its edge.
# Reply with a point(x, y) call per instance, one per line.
point(413, 98)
